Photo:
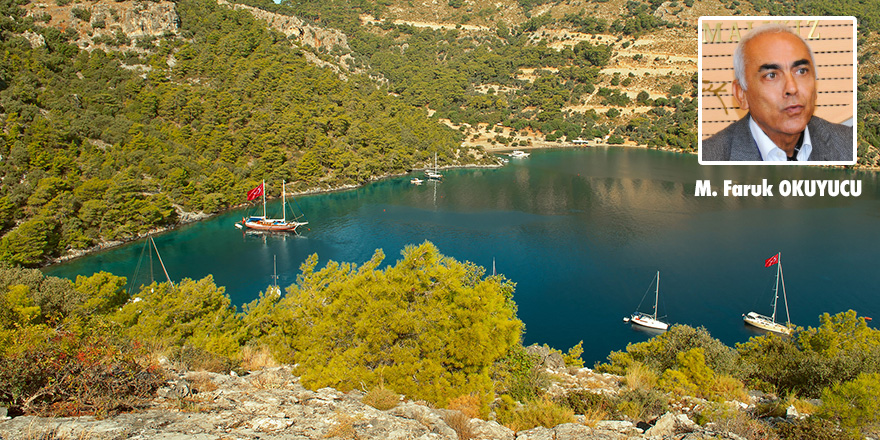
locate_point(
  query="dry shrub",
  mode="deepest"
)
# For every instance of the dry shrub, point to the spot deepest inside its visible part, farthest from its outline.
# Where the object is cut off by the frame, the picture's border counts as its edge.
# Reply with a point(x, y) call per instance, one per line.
point(543, 412)
point(727, 419)
point(593, 416)
point(468, 404)
point(460, 423)
point(84, 371)
point(642, 405)
point(256, 358)
point(189, 358)
point(269, 379)
point(344, 427)
point(381, 398)
point(729, 388)
point(55, 434)
point(640, 377)
point(201, 382)
point(803, 407)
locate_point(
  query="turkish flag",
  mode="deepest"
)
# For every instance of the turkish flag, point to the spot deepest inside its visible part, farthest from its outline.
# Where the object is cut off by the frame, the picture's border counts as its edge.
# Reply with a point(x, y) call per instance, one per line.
point(771, 261)
point(256, 192)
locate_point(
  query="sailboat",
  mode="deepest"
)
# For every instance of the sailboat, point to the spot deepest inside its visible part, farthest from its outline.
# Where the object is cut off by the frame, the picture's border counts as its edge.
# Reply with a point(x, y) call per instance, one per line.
point(769, 322)
point(434, 173)
point(264, 223)
point(649, 320)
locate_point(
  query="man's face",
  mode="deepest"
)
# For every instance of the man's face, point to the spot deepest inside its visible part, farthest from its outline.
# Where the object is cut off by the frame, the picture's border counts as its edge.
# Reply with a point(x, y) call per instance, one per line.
point(781, 81)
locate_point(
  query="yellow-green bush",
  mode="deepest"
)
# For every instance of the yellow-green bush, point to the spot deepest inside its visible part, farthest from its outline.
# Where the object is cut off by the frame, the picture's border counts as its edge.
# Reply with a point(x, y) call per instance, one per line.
point(541, 412)
point(429, 326)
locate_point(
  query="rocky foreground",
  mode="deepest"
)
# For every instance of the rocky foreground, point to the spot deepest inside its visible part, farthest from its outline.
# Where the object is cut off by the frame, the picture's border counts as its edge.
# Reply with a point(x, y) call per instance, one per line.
point(272, 404)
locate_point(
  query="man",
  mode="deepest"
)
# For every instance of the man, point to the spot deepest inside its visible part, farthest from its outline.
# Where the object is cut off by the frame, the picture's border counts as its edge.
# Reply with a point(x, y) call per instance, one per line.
point(776, 83)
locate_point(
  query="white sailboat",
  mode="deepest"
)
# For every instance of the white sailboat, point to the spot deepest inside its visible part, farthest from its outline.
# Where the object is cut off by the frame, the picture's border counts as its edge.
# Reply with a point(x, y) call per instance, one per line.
point(769, 322)
point(519, 154)
point(434, 173)
point(649, 320)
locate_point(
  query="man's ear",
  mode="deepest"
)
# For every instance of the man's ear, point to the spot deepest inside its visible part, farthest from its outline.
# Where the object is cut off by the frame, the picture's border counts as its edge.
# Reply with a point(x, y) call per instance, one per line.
point(740, 95)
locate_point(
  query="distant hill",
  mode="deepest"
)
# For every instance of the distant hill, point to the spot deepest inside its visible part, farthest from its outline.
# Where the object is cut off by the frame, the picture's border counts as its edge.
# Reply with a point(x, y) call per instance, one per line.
point(124, 117)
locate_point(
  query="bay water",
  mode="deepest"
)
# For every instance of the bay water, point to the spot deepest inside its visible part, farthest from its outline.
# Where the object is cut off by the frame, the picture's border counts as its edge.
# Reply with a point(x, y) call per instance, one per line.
point(581, 231)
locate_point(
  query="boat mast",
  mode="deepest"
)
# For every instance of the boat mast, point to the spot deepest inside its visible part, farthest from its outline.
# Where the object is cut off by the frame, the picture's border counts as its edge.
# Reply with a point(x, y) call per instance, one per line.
point(784, 296)
point(776, 290)
point(160, 262)
point(283, 207)
point(657, 295)
point(264, 200)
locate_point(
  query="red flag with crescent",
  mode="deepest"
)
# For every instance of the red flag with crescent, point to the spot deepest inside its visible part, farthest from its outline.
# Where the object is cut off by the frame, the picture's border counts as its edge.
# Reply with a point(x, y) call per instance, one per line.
point(771, 261)
point(254, 193)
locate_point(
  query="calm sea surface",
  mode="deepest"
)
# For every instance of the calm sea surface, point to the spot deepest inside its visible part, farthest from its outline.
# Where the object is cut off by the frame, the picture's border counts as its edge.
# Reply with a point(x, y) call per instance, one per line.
point(582, 232)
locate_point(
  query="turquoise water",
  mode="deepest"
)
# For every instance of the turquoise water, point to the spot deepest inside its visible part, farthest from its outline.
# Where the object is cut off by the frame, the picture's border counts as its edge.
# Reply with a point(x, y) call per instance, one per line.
point(582, 233)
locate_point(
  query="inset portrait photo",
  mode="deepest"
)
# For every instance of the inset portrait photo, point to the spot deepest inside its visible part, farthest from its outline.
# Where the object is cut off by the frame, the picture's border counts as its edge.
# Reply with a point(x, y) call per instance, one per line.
point(777, 90)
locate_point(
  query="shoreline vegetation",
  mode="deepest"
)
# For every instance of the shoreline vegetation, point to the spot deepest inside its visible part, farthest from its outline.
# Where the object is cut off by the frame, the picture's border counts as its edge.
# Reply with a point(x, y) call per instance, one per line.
point(94, 348)
point(193, 217)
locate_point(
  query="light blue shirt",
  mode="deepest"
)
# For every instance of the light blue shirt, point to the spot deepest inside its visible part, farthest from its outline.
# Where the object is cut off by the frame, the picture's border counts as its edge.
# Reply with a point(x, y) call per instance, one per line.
point(769, 150)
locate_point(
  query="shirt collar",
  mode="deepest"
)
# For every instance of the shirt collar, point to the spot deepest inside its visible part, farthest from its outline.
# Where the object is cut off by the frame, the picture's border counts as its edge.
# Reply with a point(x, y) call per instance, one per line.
point(769, 150)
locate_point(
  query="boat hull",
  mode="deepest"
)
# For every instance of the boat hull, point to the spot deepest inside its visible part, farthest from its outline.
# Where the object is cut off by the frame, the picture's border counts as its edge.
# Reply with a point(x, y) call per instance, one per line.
point(765, 323)
point(273, 225)
point(648, 322)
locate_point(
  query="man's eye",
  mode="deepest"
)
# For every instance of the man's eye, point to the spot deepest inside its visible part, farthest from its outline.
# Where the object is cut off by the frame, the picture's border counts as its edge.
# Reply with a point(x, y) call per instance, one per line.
point(803, 71)
point(770, 75)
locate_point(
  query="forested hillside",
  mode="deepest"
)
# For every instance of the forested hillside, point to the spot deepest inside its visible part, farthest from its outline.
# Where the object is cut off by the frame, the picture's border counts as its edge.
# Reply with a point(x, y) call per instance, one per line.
point(122, 135)
point(106, 144)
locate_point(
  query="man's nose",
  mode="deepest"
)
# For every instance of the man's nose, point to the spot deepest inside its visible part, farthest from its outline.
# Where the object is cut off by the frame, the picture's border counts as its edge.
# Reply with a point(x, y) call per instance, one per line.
point(790, 86)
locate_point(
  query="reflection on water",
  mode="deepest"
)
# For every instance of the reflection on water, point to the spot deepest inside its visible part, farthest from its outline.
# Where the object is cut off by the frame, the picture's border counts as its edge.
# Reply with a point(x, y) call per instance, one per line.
point(579, 231)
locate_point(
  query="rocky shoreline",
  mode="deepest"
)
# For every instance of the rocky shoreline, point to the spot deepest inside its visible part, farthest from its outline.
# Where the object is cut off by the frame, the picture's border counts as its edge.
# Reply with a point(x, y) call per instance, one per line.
point(272, 404)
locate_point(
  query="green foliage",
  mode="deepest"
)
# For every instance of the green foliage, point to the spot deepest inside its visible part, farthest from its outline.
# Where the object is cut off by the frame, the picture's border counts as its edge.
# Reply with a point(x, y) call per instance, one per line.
point(519, 375)
point(429, 326)
point(661, 352)
point(840, 349)
point(195, 313)
point(573, 358)
point(93, 152)
point(692, 377)
point(812, 428)
point(103, 293)
point(641, 404)
point(854, 405)
point(82, 14)
point(585, 402)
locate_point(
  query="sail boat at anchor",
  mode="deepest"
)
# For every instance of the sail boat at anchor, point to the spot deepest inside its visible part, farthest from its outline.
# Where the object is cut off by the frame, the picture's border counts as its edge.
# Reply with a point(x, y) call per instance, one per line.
point(769, 322)
point(264, 223)
point(649, 320)
point(434, 173)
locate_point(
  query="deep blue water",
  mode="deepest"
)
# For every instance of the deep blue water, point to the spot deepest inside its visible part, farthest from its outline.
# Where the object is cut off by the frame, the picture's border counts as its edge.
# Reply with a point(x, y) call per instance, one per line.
point(582, 233)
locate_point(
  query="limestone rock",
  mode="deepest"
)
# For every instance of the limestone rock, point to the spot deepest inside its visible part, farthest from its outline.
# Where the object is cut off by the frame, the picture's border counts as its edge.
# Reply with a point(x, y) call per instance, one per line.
point(491, 431)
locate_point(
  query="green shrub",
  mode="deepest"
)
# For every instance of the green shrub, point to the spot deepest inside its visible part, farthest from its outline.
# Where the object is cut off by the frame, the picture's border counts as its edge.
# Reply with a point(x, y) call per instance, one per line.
point(812, 428)
point(519, 375)
point(641, 404)
point(584, 402)
point(429, 326)
point(82, 14)
point(854, 405)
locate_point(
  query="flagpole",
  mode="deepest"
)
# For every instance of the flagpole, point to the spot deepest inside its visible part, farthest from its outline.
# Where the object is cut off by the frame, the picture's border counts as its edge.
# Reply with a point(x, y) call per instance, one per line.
point(264, 199)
